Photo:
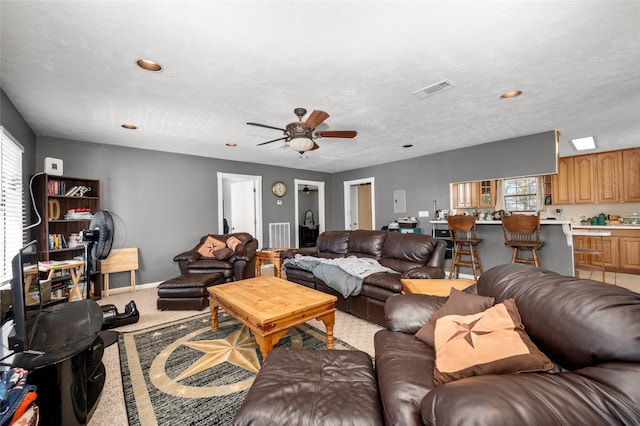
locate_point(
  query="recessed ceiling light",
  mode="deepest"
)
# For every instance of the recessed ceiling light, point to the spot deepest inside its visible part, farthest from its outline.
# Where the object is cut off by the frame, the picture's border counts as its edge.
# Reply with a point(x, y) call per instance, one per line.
point(407, 145)
point(149, 65)
point(129, 126)
point(511, 94)
point(231, 144)
point(582, 144)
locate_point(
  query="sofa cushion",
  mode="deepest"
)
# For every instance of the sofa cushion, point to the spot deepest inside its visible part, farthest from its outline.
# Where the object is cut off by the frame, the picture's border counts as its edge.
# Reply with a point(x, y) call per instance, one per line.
point(403, 252)
point(232, 242)
point(332, 243)
point(366, 243)
point(403, 379)
point(459, 303)
point(490, 342)
point(595, 313)
point(210, 246)
point(223, 254)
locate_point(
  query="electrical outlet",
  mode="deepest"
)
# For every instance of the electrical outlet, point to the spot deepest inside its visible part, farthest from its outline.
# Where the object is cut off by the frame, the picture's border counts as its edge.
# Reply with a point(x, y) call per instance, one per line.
point(423, 213)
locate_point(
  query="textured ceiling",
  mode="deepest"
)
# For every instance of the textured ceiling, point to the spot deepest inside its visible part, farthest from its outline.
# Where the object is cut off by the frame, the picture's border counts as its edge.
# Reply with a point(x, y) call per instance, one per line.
point(69, 67)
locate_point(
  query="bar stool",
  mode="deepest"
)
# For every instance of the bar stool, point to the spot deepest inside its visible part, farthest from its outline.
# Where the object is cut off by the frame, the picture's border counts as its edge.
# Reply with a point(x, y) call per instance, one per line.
point(522, 232)
point(462, 230)
point(587, 250)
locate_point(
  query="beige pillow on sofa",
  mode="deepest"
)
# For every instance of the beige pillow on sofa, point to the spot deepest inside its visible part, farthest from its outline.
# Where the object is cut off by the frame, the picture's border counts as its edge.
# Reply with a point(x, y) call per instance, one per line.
point(210, 246)
point(459, 303)
point(490, 342)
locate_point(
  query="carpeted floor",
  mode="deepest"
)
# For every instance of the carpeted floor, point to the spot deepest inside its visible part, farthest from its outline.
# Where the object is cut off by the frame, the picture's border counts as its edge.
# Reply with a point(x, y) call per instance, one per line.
point(111, 408)
point(185, 367)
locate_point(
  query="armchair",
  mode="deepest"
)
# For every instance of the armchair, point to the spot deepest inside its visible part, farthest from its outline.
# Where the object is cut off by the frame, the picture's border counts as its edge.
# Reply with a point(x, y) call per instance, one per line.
point(236, 264)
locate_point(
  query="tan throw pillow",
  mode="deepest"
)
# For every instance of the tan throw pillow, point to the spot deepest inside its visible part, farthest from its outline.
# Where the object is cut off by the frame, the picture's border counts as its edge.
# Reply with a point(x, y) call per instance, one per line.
point(490, 342)
point(210, 246)
point(232, 243)
point(459, 303)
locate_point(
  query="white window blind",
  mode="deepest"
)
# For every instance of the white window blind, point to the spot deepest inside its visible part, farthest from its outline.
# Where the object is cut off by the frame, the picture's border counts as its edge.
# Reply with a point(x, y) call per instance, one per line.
point(11, 202)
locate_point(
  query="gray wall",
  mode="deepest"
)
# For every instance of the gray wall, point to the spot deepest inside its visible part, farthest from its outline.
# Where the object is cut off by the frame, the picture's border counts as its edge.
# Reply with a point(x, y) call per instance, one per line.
point(12, 121)
point(163, 203)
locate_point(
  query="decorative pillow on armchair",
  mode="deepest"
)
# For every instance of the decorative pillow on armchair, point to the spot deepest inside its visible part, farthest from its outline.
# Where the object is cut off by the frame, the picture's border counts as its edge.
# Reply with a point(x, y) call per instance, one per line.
point(210, 246)
point(234, 244)
point(490, 342)
point(459, 303)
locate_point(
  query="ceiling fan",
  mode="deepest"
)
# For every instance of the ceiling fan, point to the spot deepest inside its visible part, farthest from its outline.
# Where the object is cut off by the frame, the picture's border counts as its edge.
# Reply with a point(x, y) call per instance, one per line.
point(300, 135)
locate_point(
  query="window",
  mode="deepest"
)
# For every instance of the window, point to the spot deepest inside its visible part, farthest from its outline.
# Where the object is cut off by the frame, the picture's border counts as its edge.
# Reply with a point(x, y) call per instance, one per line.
point(521, 195)
point(11, 205)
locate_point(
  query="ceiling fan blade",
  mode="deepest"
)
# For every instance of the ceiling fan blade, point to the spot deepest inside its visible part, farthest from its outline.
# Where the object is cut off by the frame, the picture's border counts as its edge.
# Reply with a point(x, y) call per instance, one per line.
point(337, 134)
point(315, 146)
point(275, 140)
point(268, 127)
point(315, 119)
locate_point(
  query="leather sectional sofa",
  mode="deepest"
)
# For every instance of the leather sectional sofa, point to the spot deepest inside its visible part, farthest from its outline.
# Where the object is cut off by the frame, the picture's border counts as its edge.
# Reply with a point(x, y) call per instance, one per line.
point(589, 330)
point(411, 255)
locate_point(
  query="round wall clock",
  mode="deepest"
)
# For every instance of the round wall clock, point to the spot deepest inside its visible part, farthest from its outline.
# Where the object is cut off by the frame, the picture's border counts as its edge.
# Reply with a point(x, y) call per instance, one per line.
point(279, 189)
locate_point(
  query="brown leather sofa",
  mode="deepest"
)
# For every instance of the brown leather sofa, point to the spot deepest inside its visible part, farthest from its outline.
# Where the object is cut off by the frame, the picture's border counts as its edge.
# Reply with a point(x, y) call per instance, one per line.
point(411, 255)
point(590, 330)
point(241, 265)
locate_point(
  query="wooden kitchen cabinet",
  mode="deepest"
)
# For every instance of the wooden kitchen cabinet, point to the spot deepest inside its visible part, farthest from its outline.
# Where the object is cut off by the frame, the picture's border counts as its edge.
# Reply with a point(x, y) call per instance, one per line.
point(584, 179)
point(478, 194)
point(465, 195)
point(631, 175)
point(630, 253)
point(621, 250)
point(487, 198)
point(609, 173)
point(562, 182)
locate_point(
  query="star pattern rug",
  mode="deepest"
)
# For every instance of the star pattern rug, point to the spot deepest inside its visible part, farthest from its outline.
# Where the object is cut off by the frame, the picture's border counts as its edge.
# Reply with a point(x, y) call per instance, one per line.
point(184, 373)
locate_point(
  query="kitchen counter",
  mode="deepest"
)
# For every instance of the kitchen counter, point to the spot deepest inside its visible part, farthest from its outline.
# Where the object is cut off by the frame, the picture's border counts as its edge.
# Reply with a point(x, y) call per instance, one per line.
point(556, 255)
point(636, 227)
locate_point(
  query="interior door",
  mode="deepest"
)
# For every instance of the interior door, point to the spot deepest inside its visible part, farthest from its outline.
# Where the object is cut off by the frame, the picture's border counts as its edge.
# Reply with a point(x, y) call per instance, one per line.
point(240, 203)
point(364, 206)
point(243, 210)
point(359, 204)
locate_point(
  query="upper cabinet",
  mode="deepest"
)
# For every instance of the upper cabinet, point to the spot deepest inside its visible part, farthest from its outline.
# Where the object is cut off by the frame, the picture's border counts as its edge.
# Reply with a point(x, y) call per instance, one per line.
point(609, 172)
point(584, 168)
point(562, 182)
point(606, 177)
point(631, 175)
point(479, 194)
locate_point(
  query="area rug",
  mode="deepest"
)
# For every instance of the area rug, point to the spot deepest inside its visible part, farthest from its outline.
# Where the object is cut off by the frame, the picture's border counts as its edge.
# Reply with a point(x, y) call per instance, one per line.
point(182, 373)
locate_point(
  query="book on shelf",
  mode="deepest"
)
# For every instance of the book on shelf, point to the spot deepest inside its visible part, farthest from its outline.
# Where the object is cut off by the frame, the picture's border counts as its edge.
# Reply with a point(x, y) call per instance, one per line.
point(71, 192)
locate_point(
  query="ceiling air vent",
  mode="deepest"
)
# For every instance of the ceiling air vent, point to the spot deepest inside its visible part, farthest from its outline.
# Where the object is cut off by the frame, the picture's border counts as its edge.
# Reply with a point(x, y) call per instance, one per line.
point(433, 89)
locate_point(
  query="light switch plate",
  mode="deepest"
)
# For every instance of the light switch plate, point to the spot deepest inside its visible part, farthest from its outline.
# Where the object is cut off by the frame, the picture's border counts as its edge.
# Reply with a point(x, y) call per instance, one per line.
point(423, 213)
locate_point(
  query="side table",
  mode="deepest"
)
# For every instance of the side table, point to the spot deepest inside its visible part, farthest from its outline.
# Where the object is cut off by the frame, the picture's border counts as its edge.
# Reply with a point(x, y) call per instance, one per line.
point(434, 287)
point(274, 256)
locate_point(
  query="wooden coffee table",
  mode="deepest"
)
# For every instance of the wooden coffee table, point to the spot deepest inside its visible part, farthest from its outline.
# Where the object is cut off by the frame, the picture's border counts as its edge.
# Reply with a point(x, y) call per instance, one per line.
point(434, 287)
point(270, 306)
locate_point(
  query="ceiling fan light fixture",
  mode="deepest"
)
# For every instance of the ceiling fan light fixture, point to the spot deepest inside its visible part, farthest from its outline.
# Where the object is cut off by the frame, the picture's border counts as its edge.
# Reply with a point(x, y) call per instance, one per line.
point(148, 65)
point(301, 144)
point(511, 94)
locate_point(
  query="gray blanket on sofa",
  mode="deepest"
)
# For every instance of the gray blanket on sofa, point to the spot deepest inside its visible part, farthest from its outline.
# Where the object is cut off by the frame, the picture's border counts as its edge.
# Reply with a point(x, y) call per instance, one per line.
point(345, 275)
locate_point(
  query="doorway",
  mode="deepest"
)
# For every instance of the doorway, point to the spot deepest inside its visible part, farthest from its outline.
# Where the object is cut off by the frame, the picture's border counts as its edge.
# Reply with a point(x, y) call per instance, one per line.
point(240, 203)
point(309, 196)
point(359, 204)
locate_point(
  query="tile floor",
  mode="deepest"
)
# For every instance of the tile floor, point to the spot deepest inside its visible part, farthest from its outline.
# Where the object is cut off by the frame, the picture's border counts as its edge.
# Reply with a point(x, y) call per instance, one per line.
point(630, 281)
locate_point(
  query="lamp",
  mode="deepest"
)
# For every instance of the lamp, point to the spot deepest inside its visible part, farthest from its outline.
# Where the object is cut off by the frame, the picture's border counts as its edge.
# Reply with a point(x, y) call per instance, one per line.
point(305, 190)
point(301, 144)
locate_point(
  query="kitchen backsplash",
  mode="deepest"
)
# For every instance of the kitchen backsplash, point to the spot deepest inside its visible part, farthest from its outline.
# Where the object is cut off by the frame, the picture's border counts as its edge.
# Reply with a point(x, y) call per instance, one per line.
point(573, 211)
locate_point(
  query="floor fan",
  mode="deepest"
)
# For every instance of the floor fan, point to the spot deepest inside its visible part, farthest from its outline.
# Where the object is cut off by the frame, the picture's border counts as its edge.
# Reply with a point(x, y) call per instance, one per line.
point(98, 239)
